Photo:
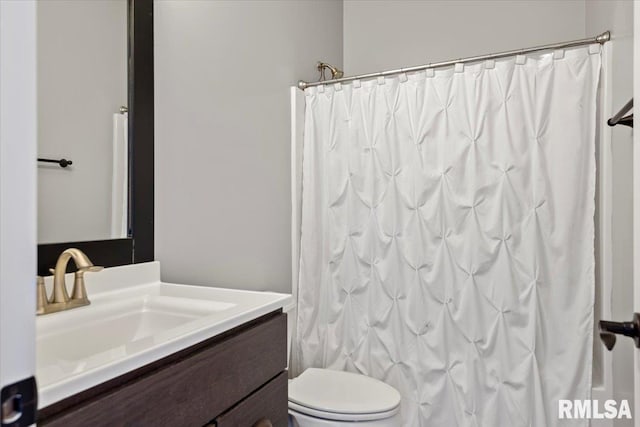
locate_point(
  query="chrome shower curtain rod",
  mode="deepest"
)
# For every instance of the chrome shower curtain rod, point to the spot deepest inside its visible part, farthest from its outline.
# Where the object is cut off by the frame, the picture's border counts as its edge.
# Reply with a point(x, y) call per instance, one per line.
point(601, 39)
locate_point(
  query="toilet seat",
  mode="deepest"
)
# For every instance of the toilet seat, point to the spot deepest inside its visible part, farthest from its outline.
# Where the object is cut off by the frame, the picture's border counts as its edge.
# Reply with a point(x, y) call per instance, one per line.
point(336, 416)
point(342, 396)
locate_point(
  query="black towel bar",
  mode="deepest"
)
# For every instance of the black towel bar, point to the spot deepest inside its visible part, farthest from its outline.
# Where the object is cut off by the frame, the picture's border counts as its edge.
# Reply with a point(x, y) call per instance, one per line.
point(620, 118)
point(62, 162)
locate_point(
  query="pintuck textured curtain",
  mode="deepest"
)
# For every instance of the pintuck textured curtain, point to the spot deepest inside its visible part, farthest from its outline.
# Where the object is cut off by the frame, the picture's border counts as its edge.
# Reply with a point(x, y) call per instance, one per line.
point(447, 237)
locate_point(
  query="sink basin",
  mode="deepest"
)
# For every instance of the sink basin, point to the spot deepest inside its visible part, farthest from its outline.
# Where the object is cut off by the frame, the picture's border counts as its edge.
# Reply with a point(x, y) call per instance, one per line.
point(117, 327)
point(130, 325)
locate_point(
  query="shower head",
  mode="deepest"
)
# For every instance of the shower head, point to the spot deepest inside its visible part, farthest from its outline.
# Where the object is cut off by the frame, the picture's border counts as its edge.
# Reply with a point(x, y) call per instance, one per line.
point(336, 73)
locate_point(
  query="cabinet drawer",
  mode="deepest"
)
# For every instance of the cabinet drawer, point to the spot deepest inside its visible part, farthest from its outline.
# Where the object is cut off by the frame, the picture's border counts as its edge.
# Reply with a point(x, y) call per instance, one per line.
point(269, 403)
point(190, 388)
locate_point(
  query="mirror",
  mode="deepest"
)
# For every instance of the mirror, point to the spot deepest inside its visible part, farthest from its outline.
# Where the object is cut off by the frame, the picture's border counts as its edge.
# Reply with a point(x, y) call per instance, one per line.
point(82, 85)
point(75, 209)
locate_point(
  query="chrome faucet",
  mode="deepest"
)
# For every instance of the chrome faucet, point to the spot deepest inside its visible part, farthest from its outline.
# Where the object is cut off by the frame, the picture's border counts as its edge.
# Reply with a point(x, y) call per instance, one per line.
point(60, 300)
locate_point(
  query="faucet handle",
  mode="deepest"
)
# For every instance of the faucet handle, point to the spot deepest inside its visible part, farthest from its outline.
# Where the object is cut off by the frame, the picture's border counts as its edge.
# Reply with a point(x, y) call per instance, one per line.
point(41, 294)
point(92, 269)
point(79, 293)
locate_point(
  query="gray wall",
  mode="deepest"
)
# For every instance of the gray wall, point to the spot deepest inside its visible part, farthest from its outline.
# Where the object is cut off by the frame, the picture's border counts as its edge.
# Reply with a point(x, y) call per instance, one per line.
point(617, 16)
point(223, 71)
point(82, 81)
point(381, 35)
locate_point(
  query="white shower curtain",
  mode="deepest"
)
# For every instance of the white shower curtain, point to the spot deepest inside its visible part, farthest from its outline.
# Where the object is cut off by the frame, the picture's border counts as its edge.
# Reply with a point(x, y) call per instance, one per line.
point(448, 237)
point(120, 177)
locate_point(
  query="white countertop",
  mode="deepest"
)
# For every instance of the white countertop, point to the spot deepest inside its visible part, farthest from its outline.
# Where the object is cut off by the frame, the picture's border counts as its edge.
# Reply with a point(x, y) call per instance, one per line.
point(134, 319)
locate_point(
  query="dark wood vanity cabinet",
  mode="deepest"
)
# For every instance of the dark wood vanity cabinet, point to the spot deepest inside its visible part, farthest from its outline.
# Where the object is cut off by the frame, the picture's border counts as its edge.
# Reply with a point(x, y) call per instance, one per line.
point(265, 405)
point(235, 379)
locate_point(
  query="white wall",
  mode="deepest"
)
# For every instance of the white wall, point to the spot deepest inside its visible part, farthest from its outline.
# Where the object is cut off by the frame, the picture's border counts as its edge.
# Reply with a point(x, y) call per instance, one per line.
point(17, 191)
point(82, 81)
point(223, 71)
point(380, 35)
point(617, 16)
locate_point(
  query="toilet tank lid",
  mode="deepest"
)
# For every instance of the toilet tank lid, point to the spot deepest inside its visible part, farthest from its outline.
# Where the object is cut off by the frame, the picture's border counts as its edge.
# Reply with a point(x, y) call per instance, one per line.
point(342, 392)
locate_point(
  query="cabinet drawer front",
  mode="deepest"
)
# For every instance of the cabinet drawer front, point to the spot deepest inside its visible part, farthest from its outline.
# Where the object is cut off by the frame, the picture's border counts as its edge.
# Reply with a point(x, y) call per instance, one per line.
point(269, 405)
point(191, 391)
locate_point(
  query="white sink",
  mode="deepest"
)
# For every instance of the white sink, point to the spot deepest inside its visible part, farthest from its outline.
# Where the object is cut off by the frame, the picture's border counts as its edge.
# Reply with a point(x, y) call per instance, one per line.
point(132, 324)
point(115, 326)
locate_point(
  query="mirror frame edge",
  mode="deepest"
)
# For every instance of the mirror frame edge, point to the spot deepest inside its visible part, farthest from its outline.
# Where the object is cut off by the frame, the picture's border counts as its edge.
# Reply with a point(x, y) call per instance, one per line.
point(140, 246)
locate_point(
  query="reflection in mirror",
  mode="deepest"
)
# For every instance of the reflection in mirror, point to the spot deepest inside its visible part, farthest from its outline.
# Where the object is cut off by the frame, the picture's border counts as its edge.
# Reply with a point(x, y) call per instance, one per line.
point(82, 84)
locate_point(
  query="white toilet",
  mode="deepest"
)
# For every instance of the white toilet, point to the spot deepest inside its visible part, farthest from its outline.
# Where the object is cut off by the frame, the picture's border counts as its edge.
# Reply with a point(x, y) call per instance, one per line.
point(327, 398)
